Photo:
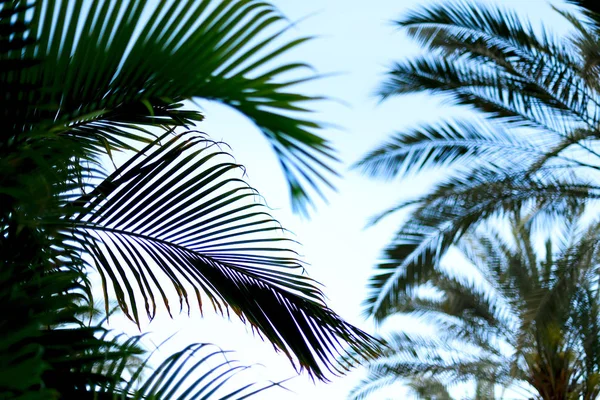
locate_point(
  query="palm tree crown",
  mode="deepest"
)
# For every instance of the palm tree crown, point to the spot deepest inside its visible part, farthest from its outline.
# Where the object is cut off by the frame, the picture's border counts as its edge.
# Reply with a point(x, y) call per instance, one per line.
point(532, 139)
point(523, 317)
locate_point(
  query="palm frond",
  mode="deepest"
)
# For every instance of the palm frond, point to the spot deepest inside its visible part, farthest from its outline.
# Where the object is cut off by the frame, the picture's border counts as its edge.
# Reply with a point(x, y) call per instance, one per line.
point(463, 28)
point(198, 371)
point(175, 213)
point(501, 40)
point(104, 82)
point(506, 96)
point(490, 59)
point(452, 209)
point(443, 145)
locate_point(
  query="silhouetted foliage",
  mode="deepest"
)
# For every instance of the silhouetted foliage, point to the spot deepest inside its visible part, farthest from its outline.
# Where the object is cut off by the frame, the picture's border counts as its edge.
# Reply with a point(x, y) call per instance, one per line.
point(174, 223)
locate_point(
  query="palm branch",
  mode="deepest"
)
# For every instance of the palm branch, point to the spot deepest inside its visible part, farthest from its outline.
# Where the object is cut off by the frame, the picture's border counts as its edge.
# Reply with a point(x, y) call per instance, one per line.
point(532, 139)
point(155, 220)
point(198, 371)
point(117, 68)
point(521, 317)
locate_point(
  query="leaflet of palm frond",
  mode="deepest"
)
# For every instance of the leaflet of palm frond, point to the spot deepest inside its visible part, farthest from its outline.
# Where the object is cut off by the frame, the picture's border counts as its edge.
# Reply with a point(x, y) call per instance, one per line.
point(591, 7)
point(445, 144)
point(175, 212)
point(107, 82)
point(506, 96)
point(493, 33)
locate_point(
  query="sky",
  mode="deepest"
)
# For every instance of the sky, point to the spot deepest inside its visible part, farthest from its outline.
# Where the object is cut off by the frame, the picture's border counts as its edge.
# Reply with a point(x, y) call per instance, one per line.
point(357, 41)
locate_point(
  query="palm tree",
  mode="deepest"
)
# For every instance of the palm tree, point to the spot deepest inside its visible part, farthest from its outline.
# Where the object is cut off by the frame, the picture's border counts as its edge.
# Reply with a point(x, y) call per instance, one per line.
point(524, 317)
point(175, 222)
point(531, 137)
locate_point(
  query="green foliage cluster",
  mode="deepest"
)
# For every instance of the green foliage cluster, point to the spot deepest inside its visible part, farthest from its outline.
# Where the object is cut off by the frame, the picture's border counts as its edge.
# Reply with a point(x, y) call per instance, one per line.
point(528, 155)
point(174, 224)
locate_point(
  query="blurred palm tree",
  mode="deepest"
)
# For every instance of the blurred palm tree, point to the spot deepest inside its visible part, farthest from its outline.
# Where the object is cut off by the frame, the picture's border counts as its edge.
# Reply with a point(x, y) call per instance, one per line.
point(175, 222)
point(524, 317)
point(531, 137)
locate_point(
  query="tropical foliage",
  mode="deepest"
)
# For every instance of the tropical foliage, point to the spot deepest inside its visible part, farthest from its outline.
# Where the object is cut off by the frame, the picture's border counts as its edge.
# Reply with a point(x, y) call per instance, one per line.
point(529, 140)
point(531, 136)
point(523, 317)
point(174, 223)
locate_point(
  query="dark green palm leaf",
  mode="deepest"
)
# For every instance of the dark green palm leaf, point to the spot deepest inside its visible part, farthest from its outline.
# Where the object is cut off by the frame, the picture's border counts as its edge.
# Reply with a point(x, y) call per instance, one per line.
point(109, 80)
point(176, 213)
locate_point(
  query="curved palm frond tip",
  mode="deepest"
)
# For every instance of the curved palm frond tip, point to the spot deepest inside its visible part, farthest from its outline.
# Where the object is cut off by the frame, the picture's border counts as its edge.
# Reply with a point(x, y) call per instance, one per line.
point(534, 96)
point(198, 371)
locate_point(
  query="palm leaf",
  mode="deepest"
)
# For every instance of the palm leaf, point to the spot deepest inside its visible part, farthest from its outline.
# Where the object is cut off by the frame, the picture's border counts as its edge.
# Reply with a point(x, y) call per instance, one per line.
point(104, 82)
point(198, 371)
point(466, 29)
point(513, 98)
point(452, 209)
point(442, 145)
point(175, 213)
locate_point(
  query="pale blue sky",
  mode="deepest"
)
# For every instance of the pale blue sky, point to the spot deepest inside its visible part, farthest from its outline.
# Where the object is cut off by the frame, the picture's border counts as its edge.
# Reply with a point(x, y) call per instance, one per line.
point(357, 40)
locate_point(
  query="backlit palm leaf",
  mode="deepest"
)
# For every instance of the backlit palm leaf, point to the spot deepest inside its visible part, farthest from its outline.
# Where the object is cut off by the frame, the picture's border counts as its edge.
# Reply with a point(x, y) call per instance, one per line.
point(452, 209)
point(198, 371)
point(444, 144)
point(175, 213)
